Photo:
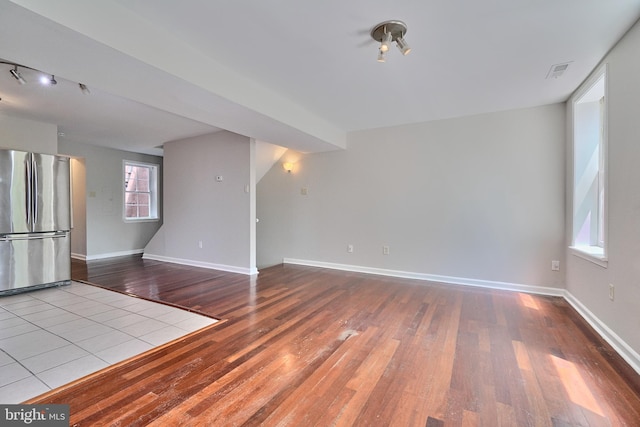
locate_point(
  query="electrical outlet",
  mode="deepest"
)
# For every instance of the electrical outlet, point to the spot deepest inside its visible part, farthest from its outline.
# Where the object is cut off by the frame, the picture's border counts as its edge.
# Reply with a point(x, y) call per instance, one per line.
point(200, 244)
point(385, 250)
point(304, 191)
point(555, 265)
point(611, 291)
point(350, 249)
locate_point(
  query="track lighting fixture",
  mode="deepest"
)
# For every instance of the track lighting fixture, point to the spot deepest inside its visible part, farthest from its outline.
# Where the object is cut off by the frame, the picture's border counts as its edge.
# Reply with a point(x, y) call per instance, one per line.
point(45, 79)
point(387, 32)
point(17, 75)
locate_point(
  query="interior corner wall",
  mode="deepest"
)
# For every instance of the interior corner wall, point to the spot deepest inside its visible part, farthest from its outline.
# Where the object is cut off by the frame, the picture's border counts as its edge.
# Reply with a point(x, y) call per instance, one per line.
point(78, 208)
point(207, 221)
point(587, 281)
point(28, 135)
point(479, 197)
point(107, 234)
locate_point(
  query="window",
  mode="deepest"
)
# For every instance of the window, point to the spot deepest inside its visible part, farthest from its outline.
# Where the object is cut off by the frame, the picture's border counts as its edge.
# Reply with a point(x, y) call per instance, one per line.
point(589, 170)
point(140, 191)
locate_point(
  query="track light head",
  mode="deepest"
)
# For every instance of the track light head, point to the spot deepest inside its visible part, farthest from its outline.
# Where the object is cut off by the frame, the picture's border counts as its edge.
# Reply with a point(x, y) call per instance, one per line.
point(386, 40)
point(17, 75)
point(403, 46)
point(48, 81)
point(387, 32)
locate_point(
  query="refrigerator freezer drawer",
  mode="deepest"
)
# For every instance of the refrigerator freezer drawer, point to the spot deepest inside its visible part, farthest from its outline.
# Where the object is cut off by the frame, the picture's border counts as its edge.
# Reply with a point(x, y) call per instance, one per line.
point(33, 261)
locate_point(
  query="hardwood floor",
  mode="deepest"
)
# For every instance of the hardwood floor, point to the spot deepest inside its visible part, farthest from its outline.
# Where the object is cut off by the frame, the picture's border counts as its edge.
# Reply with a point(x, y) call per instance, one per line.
point(305, 346)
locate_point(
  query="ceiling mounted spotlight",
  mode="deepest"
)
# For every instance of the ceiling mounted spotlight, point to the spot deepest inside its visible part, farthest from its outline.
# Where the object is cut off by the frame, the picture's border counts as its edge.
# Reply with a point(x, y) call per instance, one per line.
point(387, 32)
point(386, 40)
point(381, 57)
point(403, 46)
point(48, 81)
point(17, 75)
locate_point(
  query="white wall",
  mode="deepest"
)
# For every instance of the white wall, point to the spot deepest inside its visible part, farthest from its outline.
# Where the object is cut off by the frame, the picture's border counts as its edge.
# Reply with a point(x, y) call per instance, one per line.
point(200, 209)
point(478, 197)
point(107, 233)
point(586, 281)
point(28, 135)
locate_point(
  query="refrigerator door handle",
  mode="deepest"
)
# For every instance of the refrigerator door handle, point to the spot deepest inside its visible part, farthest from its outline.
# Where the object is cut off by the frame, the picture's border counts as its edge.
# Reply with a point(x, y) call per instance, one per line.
point(28, 190)
point(35, 192)
point(13, 237)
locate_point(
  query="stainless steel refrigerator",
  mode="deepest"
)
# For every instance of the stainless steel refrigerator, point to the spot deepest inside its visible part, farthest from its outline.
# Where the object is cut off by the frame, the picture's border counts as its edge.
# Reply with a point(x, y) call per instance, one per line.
point(35, 246)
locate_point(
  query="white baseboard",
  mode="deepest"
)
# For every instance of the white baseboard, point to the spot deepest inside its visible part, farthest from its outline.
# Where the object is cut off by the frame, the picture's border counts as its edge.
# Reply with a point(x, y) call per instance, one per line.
point(619, 345)
point(211, 266)
point(81, 257)
point(544, 290)
point(113, 254)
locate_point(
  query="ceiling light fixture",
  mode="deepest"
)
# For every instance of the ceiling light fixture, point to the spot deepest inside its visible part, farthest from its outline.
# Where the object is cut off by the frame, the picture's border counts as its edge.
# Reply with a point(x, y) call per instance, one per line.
point(387, 32)
point(17, 75)
point(45, 78)
point(48, 81)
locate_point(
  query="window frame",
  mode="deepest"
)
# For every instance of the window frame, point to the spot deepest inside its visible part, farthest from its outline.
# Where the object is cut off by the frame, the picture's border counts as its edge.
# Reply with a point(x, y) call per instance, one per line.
point(154, 211)
point(596, 252)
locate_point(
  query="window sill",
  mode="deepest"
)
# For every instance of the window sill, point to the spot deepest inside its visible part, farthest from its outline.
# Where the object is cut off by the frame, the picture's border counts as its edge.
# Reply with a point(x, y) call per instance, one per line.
point(595, 254)
point(141, 219)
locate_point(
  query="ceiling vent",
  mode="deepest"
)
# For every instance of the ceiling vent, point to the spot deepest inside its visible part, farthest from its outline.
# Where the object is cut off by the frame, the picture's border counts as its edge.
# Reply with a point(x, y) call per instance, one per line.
point(557, 70)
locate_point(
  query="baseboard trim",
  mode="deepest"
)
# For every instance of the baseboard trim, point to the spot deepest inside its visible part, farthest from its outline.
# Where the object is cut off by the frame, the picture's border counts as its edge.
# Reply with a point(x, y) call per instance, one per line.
point(543, 290)
point(209, 265)
point(619, 345)
point(81, 257)
point(113, 254)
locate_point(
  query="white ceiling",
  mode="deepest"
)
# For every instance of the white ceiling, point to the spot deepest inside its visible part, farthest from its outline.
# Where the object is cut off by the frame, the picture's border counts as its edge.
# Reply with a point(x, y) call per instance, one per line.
point(293, 73)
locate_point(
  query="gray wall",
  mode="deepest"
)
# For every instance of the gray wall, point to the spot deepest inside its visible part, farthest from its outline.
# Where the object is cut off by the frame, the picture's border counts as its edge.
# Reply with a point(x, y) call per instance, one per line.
point(587, 281)
point(107, 234)
point(200, 209)
point(478, 197)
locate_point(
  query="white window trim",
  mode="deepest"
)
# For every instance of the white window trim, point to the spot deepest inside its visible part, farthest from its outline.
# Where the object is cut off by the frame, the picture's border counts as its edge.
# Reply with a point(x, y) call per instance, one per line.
point(595, 254)
point(155, 191)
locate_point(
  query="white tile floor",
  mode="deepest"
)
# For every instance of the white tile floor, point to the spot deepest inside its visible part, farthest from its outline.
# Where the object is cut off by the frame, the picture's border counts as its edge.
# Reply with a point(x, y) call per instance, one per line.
point(53, 336)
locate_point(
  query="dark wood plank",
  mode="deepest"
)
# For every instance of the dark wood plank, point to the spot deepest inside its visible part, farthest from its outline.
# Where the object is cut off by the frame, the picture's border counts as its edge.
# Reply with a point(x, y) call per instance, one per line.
point(307, 346)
